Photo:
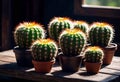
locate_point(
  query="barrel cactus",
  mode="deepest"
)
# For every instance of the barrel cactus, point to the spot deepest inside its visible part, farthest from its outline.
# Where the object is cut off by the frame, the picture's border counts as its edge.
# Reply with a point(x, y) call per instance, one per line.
point(82, 25)
point(72, 42)
point(101, 34)
point(44, 50)
point(27, 32)
point(93, 54)
point(57, 25)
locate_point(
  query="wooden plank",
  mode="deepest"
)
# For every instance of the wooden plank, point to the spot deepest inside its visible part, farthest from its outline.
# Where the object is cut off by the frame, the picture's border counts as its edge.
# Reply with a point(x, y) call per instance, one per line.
point(8, 67)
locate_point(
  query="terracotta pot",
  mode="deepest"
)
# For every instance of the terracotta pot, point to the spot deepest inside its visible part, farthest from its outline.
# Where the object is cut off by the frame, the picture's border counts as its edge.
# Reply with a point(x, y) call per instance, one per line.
point(43, 67)
point(23, 57)
point(93, 68)
point(70, 64)
point(109, 52)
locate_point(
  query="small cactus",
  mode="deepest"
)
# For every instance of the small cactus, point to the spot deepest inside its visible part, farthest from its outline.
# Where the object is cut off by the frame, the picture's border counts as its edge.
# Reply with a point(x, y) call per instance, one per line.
point(93, 54)
point(44, 50)
point(57, 25)
point(82, 25)
point(27, 32)
point(101, 34)
point(72, 42)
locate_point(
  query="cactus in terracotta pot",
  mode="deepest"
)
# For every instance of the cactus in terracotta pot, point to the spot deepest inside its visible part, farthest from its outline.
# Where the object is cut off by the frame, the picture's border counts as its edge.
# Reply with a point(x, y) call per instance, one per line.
point(57, 25)
point(24, 35)
point(93, 59)
point(27, 32)
point(72, 43)
point(101, 34)
point(44, 52)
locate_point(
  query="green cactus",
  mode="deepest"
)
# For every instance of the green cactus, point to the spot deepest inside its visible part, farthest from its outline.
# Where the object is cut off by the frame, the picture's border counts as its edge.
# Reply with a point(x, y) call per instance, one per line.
point(57, 25)
point(82, 25)
point(72, 42)
point(44, 50)
point(94, 54)
point(27, 32)
point(101, 34)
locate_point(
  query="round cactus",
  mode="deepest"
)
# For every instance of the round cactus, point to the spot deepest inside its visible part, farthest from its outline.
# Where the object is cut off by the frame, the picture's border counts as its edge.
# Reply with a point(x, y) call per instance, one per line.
point(44, 50)
point(72, 42)
point(27, 32)
point(57, 25)
point(82, 25)
point(101, 34)
point(94, 54)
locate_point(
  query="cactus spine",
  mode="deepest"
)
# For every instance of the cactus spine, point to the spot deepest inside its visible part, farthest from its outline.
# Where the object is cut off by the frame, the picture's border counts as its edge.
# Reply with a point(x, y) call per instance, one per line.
point(72, 42)
point(44, 50)
point(94, 54)
point(57, 25)
point(82, 25)
point(100, 34)
point(27, 32)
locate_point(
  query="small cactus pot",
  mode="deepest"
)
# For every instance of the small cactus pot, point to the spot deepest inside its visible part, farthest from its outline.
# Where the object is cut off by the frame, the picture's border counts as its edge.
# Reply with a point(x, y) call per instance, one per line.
point(43, 67)
point(70, 64)
point(72, 43)
point(43, 53)
point(109, 53)
point(23, 57)
point(93, 59)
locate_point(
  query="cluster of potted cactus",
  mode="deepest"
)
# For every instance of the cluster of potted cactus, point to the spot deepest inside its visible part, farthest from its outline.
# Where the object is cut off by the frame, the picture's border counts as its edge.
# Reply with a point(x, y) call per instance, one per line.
point(25, 34)
point(101, 34)
point(71, 38)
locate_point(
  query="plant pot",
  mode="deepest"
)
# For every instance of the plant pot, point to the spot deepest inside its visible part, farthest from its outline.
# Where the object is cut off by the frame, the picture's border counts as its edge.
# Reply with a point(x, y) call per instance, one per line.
point(43, 67)
point(92, 68)
point(109, 52)
point(23, 57)
point(70, 64)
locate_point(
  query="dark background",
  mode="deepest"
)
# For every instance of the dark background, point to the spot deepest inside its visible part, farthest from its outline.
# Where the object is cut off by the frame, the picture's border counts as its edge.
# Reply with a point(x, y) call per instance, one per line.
point(13, 12)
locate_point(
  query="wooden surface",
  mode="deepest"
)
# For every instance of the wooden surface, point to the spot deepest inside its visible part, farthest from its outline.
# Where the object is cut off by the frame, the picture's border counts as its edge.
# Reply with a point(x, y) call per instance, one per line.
point(8, 67)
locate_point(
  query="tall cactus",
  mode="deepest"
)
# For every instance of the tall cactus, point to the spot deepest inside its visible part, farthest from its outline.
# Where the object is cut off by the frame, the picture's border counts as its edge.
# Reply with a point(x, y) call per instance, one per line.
point(44, 50)
point(57, 25)
point(72, 42)
point(94, 54)
point(27, 32)
point(82, 25)
point(101, 34)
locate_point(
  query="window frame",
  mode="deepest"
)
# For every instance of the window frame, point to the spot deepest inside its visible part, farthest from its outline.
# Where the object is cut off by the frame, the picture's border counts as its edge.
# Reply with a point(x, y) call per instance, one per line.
point(101, 11)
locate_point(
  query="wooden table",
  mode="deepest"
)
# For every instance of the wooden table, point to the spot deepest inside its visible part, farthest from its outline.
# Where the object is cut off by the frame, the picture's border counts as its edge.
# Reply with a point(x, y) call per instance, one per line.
point(8, 67)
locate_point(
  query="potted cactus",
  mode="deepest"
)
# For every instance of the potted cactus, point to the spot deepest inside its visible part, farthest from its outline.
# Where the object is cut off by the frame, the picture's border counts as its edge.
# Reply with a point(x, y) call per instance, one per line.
point(25, 34)
point(43, 52)
point(101, 34)
point(72, 43)
point(93, 59)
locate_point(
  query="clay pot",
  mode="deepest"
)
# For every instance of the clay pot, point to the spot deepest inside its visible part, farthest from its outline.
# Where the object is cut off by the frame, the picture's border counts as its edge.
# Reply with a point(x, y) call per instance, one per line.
point(93, 68)
point(43, 67)
point(23, 57)
point(70, 64)
point(109, 52)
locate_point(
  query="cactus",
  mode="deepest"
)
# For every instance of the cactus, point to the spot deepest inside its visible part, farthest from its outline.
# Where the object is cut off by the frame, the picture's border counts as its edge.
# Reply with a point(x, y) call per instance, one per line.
point(101, 34)
point(82, 25)
point(44, 50)
point(72, 42)
point(27, 32)
point(93, 54)
point(57, 25)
